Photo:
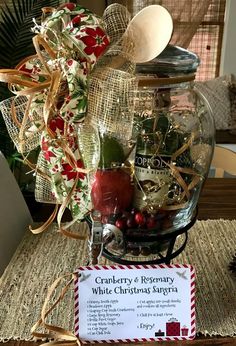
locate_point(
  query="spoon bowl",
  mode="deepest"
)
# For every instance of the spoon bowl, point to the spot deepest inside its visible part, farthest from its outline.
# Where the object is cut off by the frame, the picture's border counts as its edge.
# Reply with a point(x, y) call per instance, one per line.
point(148, 33)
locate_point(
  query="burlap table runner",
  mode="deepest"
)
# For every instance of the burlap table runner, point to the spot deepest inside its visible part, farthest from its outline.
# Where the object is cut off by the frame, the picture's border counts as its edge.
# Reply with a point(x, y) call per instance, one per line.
point(40, 259)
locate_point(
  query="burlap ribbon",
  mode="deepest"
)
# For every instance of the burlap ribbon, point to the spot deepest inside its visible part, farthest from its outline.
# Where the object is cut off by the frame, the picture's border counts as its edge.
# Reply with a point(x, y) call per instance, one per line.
point(56, 78)
point(55, 81)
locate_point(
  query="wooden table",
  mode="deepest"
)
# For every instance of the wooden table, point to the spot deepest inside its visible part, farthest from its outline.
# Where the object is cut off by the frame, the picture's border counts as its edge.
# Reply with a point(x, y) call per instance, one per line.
point(225, 137)
point(218, 200)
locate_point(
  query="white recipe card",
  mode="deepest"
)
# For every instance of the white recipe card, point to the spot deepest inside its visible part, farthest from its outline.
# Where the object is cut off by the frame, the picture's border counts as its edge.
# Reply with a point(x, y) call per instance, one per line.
point(121, 303)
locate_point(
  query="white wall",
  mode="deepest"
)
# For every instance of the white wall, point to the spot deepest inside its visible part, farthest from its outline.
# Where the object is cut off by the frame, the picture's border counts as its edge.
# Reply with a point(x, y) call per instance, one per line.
point(228, 54)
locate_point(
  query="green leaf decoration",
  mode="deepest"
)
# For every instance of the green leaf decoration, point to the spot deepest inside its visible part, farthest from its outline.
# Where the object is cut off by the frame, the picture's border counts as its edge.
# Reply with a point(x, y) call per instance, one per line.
point(81, 84)
point(81, 105)
point(16, 23)
point(75, 209)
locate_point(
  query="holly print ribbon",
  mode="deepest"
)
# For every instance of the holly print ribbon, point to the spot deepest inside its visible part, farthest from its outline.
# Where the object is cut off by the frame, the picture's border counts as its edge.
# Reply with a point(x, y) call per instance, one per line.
point(68, 44)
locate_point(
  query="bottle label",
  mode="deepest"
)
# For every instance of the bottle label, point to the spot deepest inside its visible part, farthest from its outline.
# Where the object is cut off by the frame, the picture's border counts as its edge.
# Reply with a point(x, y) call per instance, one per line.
point(152, 180)
point(153, 162)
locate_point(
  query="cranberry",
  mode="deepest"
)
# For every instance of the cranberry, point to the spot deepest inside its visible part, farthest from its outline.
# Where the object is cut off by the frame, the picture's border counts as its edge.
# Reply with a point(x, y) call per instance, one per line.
point(140, 219)
point(130, 222)
point(121, 223)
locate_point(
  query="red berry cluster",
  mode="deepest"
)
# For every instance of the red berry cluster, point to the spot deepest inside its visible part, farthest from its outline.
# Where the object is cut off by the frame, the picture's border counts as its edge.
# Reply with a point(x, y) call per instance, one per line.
point(136, 223)
point(135, 219)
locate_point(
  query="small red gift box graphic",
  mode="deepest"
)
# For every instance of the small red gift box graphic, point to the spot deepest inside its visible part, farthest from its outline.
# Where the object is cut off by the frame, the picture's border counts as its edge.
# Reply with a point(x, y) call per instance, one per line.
point(173, 327)
point(184, 331)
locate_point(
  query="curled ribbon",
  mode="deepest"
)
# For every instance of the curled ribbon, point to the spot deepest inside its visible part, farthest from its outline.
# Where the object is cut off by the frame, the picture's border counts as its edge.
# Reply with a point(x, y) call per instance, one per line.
point(176, 172)
point(55, 79)
point(59, 335)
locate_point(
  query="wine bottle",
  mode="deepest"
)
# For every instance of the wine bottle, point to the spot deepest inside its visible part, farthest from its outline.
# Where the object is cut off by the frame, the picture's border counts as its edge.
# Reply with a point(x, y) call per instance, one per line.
point(151, 167)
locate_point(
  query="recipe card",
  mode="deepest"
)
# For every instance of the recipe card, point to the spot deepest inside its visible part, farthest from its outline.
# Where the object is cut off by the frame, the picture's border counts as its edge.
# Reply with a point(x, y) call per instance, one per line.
point(121, 303)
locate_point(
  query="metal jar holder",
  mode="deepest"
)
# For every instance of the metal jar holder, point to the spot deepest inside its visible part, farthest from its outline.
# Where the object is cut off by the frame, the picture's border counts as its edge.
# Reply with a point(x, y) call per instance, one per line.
point(135, 236)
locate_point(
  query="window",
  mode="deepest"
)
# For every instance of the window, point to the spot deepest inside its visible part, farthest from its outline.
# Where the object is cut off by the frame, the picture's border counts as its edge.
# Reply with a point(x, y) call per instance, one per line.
point(207, 41)
point(187, 16)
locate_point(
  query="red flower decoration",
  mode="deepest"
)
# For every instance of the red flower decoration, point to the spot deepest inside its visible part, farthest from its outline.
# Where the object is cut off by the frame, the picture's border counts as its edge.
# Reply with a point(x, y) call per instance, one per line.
point(77, 20)
point(46, 152)
point(70, 62)
point(70, 173)
point(57, 124)
point(67, 99)
point(25, 69)
point(96, 41)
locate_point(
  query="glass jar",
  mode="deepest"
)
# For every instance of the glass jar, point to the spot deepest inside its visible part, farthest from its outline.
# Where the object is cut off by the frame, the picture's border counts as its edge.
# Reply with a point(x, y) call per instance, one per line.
point(174, 134)
point(174, 149)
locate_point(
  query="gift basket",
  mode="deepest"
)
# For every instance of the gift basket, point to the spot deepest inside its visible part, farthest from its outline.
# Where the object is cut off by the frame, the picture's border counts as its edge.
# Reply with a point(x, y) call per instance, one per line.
point(173, 133)
point(124, 144)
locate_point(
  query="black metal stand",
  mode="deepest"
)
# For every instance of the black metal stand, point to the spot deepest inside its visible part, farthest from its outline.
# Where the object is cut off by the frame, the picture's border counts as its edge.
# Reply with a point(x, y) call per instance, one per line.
point(166, 258)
